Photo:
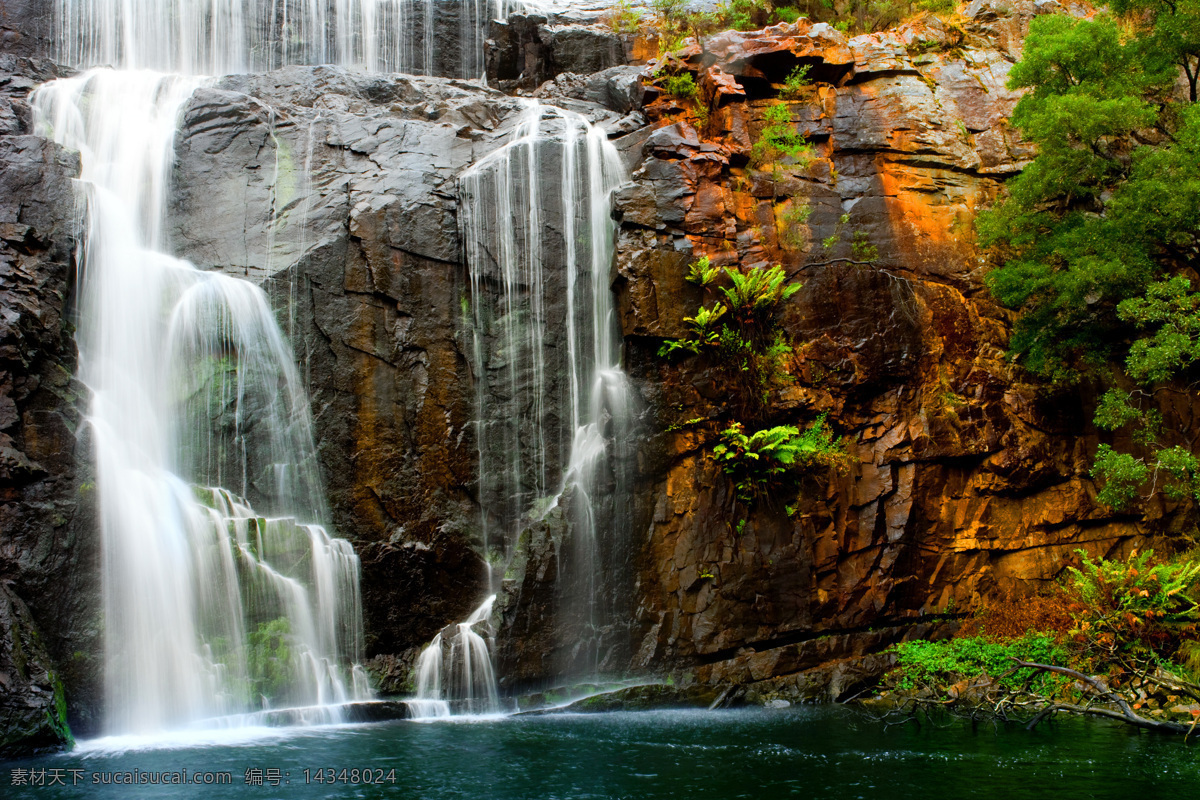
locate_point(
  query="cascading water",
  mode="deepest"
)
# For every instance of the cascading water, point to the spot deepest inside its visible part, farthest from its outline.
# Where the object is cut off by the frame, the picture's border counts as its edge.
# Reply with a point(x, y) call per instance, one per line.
point(212, 608)
point(455, 670)
point(553, 404)
point(217, 37)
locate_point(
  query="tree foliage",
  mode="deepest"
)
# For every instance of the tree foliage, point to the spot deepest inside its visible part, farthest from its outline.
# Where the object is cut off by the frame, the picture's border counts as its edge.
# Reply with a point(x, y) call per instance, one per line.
point(1097, 240)
point(1066, 260)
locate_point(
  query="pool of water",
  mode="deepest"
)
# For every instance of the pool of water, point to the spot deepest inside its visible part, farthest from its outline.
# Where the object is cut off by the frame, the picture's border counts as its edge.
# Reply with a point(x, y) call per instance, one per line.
point(810, 752)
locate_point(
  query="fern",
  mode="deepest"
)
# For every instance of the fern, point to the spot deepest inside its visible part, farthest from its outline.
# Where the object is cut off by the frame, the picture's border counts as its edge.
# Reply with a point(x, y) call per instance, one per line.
point(1126, 604)
point(702, 273)
point(759, 460)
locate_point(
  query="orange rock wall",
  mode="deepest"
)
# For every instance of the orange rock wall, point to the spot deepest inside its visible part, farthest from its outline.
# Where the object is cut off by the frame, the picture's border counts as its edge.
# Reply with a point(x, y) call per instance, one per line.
point(969, 481)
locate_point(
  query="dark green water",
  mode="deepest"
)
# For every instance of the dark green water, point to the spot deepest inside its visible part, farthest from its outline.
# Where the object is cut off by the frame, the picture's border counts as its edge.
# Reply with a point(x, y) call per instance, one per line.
point(821, 752)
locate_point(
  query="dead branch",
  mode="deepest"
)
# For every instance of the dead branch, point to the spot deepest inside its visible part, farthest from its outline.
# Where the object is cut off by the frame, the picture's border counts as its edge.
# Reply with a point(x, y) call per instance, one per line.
point(1125, 714)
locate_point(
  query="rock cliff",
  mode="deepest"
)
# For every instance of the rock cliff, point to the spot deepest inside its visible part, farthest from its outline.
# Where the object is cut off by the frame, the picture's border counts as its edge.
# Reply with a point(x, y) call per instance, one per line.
point(968, 481)
point(49, 604)
point(339, 193)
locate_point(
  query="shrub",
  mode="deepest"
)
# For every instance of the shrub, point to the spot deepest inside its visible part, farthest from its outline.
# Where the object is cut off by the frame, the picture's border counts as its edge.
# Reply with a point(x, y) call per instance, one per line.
point(758, 462)
point(681, 87)
point(624, 18)
point(931, 664)
point(780, 139)
point(1134, 605)
point(1012, 616)
point(792, 220)
point(797, 83)
point(788, 15)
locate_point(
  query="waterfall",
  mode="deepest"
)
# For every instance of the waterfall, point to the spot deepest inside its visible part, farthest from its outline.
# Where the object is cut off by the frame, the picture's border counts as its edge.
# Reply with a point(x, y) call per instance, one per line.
point(552, 402)
point(218, 37)
point(456, 671)
point(217, 601)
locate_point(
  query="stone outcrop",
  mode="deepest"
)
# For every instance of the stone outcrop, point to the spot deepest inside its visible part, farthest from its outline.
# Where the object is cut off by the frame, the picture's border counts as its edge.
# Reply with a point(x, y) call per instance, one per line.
point(526, 50)
point(49, 605)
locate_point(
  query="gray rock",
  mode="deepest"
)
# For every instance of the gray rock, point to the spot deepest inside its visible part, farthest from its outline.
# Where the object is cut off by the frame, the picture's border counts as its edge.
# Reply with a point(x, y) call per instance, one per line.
point(339, 193)
point(27, 28)
point(33, 708)
point(526, 50)
point(48, 547)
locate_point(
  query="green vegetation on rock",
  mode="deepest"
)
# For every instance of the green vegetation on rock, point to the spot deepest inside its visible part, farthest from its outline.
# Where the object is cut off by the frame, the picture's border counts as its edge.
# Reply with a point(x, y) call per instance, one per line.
point(747, 352)
point(1115, 637)
point(1096, 241)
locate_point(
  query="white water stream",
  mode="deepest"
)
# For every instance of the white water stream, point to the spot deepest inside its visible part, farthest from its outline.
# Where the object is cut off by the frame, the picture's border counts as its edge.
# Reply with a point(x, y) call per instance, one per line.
point(212, 608)
point(553, 405)
point(455, 672)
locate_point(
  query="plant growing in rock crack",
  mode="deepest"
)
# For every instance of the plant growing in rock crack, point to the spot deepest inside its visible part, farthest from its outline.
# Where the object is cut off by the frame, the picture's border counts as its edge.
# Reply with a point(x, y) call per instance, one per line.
point(738, 333)
point(624, 18)
point(761, 462)
point(797, 84)
point(792, 218)
point(678, 82)
point(780, 140)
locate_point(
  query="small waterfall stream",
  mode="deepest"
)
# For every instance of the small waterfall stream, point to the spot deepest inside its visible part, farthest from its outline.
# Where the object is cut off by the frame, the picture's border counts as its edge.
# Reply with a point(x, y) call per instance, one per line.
point(455, 672)
point(553, 405)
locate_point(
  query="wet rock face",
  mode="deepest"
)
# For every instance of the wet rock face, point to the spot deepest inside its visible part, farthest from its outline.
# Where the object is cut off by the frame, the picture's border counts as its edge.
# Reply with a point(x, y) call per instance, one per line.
point(526, 50)
point(966, 480)
point(49, 612)
point(338, 193)
point(33, 705)
point(27, 28)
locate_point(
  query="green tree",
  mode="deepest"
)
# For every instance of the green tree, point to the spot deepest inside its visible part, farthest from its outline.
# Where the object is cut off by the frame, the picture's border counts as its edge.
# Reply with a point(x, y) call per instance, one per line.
point(1170, 30)
point(1065, 262)
point(1097, 237)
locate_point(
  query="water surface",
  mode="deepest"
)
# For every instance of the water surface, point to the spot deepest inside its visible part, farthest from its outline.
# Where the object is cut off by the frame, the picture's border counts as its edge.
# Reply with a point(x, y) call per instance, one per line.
point(811, 752)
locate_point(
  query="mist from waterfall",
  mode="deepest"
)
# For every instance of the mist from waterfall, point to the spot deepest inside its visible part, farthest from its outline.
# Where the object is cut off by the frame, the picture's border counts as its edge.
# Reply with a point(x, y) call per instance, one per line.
point(219, 37)
point(553, 405)
point(211, 607)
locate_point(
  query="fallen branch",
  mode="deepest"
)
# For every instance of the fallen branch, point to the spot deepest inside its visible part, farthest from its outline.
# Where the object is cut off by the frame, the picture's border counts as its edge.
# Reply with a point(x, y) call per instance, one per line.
point(1126, 713)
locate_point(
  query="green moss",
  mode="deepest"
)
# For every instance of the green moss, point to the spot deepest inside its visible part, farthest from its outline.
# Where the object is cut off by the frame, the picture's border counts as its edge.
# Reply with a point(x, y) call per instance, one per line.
point(270, 658)
point(56, 717)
